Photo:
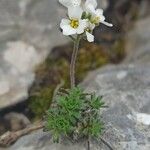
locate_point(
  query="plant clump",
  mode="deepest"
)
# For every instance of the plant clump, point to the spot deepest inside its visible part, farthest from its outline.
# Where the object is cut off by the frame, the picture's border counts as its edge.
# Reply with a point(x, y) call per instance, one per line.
point(75, 114)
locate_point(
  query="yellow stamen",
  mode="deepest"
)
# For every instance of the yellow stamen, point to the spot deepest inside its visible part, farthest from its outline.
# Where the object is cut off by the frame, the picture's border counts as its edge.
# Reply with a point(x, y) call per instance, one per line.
point(74, 23)
point(95, 20)
point(88, 30)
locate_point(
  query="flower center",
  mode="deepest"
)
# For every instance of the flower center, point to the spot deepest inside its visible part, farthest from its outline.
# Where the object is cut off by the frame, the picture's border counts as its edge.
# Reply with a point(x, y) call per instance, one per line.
point(95, 20)
point(88, 30)
point(74, 23)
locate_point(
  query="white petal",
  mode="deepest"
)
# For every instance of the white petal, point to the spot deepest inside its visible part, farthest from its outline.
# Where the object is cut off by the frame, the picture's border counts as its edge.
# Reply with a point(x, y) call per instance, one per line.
point(107, 24)
point(90, 37)
point(66, 3)
point(91, 26)
point(82, 26)
point(76, 3)
point(70, 3)
point(102, 18)
point(75, 12)
point(68, 30)
point(64, 22)
point(99, 12)
point(92, 2)
point(90, 8)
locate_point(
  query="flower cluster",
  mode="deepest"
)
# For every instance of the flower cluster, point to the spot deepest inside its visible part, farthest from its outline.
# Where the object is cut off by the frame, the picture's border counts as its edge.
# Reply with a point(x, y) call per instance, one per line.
point(83, 18)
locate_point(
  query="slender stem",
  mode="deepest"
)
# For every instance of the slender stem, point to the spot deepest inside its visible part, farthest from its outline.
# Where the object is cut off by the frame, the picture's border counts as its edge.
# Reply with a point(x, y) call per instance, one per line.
point(73, 61)
point(72, 38)
point(106, 143)
point(88, 143)
point(88, 136)
point(57, 90)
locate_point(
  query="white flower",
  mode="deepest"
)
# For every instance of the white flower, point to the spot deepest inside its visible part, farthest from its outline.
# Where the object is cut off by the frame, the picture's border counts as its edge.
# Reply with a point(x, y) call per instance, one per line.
point(73, 25)
point(96, 14)
point(70, 3)
point(88, 32)
point(89, 4)
point(83, 18)
point(90, 37)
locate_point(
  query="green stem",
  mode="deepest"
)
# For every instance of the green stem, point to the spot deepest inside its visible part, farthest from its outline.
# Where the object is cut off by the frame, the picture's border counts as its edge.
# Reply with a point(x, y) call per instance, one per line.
point(72, 38)
point(88, 136)
point(73, 60)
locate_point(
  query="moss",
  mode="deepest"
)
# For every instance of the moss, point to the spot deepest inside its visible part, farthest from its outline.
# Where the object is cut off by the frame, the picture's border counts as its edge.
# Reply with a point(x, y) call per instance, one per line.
point(91, 56)
point(56, 68)
point(118, 50)
point(40, 101)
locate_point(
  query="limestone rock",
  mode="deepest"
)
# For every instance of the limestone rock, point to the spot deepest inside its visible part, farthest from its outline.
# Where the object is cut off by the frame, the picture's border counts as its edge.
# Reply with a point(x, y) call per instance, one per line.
point(28, 31)
point(138, 42)
point(17, 63)
point(16, 121)
point(126, 90)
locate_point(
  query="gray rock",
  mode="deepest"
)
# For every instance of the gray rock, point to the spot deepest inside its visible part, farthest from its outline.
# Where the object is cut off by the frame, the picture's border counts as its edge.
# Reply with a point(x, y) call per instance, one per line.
point(103, 4)
point(144, 8)
point(16, 121)
point(27, 24)
point(28, 31)
point(31, 27)
point(13, 121)
point(126, 90)
point(17, 62)
point(31, 20)
point(138, 42)
point(40, 140)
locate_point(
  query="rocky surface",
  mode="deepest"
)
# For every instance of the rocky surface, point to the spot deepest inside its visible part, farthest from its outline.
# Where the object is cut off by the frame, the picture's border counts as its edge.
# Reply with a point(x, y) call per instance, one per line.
point(138, 42)
point(28, 31)
point(16, 71)
point(126, 90)
point(16, 121)
point(126, 87)
point(13, 122)
point(144, 9)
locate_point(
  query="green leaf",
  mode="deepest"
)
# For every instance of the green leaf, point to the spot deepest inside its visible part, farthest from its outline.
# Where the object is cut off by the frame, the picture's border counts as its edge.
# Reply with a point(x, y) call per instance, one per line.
point(96, 102)
point(75, 111)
